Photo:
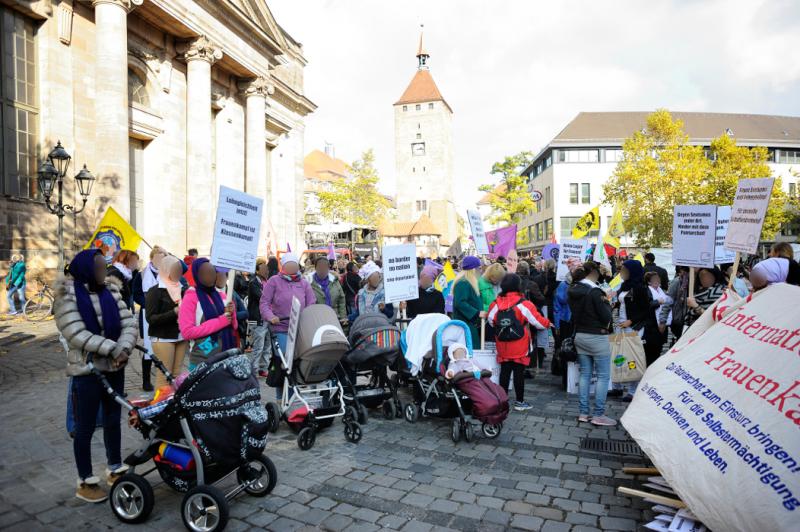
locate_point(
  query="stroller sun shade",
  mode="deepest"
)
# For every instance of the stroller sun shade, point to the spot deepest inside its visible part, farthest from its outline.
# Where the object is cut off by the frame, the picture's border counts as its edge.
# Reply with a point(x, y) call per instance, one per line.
point(320, 344)
point(374, 340)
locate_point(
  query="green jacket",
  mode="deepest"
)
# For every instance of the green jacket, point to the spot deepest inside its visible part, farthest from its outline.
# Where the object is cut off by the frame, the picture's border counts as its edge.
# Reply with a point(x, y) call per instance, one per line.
point(16, 275)
point(488, 294)
point(337, 294)
point(467, 307)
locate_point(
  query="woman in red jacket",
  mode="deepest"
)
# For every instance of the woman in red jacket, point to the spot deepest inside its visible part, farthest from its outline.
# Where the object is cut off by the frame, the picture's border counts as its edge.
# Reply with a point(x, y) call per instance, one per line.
point(510, 315)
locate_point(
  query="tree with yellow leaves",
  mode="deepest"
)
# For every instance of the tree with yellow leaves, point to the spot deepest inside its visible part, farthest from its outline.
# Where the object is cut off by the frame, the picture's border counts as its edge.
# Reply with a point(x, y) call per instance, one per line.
point(357, 199)
point(511, 200)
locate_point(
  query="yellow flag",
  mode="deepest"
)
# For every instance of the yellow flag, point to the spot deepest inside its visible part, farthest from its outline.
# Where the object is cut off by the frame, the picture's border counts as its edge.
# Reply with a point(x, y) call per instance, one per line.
point(616, 228)
point(114, 234)
point(612, 241)
point(444, 279)
point(640, 258)
point(588, 222)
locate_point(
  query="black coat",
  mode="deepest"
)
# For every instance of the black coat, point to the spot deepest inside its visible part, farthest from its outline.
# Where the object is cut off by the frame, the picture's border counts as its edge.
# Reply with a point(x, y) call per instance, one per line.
point(532, 292)
point(162, 320)
point(591, 311)
point(427, 303)
point(640, 308)
point(126, 290)
point(254, 290)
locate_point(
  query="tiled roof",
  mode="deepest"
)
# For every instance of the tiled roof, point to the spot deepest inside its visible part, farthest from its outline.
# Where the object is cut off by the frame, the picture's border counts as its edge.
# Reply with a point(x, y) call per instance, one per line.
point(422, 89)
point(319, 165)
point(423, 226)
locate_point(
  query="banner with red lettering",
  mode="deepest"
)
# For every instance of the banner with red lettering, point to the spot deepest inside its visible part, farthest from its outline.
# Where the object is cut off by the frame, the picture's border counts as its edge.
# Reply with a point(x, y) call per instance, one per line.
point(719, 414)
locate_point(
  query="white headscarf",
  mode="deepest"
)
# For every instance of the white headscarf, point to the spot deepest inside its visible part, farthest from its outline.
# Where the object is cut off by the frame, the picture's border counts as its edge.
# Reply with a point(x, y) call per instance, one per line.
point(368, 269)
point(773, 269)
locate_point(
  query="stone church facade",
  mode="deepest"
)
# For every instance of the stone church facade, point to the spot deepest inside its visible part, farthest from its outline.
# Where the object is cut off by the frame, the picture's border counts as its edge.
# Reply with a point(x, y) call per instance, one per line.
point(163, 100)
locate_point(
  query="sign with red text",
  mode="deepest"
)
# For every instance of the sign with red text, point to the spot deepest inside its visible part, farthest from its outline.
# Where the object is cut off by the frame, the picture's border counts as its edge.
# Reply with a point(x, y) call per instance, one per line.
point(719, 414)
point(748, 213)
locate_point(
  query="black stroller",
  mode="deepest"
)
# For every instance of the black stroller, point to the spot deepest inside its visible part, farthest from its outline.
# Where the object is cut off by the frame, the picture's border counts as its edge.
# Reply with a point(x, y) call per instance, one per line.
point(213, 427)
point(375, 347)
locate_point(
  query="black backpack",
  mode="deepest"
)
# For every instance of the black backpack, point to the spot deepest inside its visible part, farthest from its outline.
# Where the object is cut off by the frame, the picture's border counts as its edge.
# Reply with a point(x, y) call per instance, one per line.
point(509, 328)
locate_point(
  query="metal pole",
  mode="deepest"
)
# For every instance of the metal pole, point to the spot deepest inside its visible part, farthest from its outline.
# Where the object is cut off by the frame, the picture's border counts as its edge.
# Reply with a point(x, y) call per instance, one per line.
point(60, 214)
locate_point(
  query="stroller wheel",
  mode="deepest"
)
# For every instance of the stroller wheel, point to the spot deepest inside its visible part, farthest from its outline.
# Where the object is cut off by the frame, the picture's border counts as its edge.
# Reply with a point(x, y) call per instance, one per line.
point(274, 412)
point(362, 414)
point(205, 509)
point(468, 431)
point(455, 431)
point(306, 438)
point(352, 432)
point(259, 474)
point(350, 414)
point(411, 412)
point(491, 430)
point(389, 409)
point(131, 498)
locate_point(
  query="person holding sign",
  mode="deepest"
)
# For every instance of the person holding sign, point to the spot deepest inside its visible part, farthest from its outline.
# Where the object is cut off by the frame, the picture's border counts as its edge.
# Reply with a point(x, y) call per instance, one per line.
point(371, 298)
point(712, 286)
point(209, 327)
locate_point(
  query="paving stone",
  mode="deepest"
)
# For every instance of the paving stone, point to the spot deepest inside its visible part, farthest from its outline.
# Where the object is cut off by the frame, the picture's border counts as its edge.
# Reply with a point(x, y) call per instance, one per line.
point(445, 506)
point(566, 504)
point(416, 499)
point(517, 507)
point(535, 498)
point(556, 492)
point(261, 519)
point(555, 526)
point(365, 514)
point(496, 516)
point(416, 526)
point(527, 522)
point(463, 496)
point(337, 522)
point(281, 524)
point(345, 509)
point(491, 502)
point(323, 503)
point(593, 508)
point(581, 519)
point(616, 523)
point(548, 513)
point(392, 521)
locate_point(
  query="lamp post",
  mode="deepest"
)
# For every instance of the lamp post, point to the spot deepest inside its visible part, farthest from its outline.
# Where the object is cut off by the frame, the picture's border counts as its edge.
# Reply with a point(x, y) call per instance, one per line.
point(51, 175)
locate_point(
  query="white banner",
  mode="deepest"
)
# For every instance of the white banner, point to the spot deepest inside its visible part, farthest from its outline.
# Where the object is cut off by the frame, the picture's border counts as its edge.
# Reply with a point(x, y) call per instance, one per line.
point(570, 249)
point(694, 235)
point(722, 255)
point(747, 214)
point(478, 234)
point(236, 230)
point(291, 336)
point(400, 282)
point(719, 413)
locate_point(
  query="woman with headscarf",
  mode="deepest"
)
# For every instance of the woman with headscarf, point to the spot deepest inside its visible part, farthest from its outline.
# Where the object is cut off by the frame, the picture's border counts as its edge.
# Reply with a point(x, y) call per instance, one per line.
point(467, 304)
point(93, 320)
point(204, 319)
point(371, 297)
point(351, 282)
point(785, 250)
point(144, 281)
point(710, 285)
point(327, 289)
point(769, 271)
point(162, 303)
point(123, 268)
point(429, 299)
point(674, 314)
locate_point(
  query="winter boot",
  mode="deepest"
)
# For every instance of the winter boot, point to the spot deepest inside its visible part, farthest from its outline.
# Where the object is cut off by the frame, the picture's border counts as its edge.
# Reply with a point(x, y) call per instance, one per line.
point(147, 365)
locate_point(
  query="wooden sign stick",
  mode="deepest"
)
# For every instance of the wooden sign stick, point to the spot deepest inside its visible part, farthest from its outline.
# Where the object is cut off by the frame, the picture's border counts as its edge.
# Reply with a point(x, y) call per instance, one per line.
point(691, 281)
point(640, 471)
point(675, 503)
point(735, 269)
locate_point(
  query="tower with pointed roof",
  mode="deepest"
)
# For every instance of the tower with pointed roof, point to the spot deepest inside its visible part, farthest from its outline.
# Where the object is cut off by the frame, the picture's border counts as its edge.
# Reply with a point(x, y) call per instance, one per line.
point(423, 136)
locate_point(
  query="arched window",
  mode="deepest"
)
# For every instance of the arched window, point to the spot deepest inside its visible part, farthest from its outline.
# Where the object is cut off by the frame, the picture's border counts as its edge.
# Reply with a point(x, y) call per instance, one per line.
point(137, 89)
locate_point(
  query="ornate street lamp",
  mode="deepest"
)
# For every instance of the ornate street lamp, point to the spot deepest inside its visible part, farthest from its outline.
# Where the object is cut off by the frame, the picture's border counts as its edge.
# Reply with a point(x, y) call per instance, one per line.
point(51, 175)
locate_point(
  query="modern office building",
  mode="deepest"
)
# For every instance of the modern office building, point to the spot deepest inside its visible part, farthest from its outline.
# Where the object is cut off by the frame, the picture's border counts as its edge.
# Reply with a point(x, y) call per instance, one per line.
point(571, 170)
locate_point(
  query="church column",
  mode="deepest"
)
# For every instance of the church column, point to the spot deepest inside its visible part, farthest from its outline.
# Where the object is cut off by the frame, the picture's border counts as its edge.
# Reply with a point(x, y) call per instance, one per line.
point(200, 54)
point(111, 101)
point(256, 171)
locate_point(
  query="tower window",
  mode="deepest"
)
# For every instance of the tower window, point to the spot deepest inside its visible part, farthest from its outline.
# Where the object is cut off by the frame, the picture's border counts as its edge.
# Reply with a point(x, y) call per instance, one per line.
point(418, 148)
point(422, 205)
point(405, 108)
point(414, 169)
point(423, 168)
point(430, 106)
point(419, 126)
point(418, 107)
point(419, 135)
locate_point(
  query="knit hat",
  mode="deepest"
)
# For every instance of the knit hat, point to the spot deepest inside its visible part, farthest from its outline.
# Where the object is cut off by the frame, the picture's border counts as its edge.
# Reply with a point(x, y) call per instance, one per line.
point(470, 263)
point(368, 269)
point(773, 270)
point(430, 271)
point(455, 346)
point(289, 257)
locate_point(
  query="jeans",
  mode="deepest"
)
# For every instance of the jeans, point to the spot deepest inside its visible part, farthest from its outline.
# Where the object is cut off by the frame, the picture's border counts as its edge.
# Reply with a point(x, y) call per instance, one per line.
point(594, 353)
point(87, 396)
point(20, 291)
point(518, 370)
point(262, 347)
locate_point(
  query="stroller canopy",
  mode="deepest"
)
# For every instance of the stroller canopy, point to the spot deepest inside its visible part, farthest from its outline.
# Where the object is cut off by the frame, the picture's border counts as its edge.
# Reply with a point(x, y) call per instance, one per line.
point(320, 343)
point(430, 333)
point(373, 337)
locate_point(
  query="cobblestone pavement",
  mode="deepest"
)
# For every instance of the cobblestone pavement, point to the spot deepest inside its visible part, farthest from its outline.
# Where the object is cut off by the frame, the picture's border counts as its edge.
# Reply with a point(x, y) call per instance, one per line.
point(400, 477)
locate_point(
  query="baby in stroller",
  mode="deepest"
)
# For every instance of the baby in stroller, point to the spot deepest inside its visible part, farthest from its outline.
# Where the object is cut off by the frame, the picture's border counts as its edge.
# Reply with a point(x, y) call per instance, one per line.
point(459, 361)
point(211, 428)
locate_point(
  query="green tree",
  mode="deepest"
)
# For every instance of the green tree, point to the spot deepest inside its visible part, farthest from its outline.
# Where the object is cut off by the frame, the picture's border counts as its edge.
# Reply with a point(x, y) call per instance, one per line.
point(659, 170)
point(357, 199)
point(511, 200)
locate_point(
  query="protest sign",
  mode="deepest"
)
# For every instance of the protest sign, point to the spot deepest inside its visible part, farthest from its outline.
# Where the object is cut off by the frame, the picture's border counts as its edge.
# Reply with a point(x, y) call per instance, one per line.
point(570, 249)
point(400, 273)
point(747, 214)
point(722, 255)
point(718, 414)
point(478, 234)
point(291, 336)
point(551, 251)
point(235, 243)
point(693, 235)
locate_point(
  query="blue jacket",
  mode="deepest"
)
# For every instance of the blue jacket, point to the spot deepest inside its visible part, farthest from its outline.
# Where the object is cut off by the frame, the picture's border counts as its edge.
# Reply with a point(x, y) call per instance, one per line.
point(561, 311)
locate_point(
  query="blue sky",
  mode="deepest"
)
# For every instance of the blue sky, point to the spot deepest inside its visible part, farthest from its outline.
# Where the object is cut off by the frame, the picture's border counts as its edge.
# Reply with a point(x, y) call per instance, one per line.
point(516, 72)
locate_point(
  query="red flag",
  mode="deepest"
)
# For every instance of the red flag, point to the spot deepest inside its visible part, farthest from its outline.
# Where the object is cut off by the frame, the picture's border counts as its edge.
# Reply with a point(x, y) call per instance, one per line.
point(610, 250)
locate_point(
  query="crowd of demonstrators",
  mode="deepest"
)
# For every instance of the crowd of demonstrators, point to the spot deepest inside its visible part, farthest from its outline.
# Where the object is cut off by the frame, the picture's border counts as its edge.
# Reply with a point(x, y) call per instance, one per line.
point(328, 290)
point(16, 284)
point(371, 298)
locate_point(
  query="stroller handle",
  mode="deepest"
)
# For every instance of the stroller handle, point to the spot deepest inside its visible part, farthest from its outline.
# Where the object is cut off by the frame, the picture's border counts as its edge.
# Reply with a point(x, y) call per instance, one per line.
point(120, 399)
point(157, 362)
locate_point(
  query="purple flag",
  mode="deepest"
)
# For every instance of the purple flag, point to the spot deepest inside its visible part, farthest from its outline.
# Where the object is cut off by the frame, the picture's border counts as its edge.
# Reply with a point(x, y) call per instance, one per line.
point(288, 248)
point(551, 251)
point(502, 240)
point(331, 251)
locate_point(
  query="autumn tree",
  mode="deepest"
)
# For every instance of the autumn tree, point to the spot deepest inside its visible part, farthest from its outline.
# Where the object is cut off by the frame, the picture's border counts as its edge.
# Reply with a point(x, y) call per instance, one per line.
point(660, 169)
point(356, 199)
point(510, 199)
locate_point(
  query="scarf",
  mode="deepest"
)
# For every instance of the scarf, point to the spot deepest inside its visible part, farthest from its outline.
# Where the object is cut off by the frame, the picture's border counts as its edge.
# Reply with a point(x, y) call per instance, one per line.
point(291, 277)
point(326, 288)
point(149, 277)
point(124, 270)
point(212, 304)
point(82, 271)
point(164, 281)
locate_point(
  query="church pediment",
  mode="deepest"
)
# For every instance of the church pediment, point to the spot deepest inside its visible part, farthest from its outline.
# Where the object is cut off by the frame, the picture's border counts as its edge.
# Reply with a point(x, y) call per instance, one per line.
point(257, 12)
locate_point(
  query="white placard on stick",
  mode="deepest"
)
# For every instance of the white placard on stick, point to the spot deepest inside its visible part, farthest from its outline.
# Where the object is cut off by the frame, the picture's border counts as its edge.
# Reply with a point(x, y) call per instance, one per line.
point(570, 249)
point(236, 230)
point(694, 235)
point(722, 255)
point(478, 235)
point(400, 280)
point(748, 213)
point(291, 336)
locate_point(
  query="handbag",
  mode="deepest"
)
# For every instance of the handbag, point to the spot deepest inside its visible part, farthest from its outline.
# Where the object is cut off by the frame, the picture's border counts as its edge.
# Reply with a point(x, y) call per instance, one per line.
point(568, 352)
point(628, 362)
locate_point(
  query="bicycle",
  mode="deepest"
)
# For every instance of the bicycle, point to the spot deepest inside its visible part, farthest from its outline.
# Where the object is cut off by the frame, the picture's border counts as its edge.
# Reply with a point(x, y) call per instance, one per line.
point(40, 305)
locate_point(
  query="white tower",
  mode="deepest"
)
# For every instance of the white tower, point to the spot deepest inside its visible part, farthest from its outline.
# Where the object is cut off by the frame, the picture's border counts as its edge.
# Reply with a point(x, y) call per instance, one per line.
point(423, 138)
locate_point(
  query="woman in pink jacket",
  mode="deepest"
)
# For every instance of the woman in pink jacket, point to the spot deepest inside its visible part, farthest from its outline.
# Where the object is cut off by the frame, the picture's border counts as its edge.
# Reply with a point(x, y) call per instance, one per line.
point(204, 318)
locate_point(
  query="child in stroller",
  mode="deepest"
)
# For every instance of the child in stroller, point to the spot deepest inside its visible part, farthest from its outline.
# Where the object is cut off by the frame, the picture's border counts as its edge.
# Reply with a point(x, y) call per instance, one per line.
point(311, 398)
point(212, 427)
point(464, 396)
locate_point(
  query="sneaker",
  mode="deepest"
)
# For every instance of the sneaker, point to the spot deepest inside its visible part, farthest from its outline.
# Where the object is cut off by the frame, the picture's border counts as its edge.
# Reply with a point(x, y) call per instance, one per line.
point(614, 393)
point(583, 418)
point(89, 490)
point(627, 399)
point(112, 476)
point(603, 421)
point(521, 406)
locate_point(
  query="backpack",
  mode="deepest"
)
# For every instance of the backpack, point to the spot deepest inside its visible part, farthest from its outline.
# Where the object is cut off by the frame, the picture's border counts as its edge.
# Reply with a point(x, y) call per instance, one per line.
point(509, 327)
